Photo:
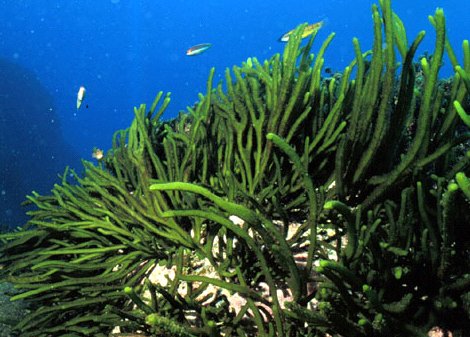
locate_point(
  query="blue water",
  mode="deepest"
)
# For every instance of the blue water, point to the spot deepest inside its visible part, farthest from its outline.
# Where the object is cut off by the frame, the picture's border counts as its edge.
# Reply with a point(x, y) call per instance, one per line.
point(125, 51)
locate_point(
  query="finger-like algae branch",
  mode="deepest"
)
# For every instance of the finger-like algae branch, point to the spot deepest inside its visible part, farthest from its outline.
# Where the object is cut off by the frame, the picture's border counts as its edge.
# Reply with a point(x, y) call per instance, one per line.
point(286, 204)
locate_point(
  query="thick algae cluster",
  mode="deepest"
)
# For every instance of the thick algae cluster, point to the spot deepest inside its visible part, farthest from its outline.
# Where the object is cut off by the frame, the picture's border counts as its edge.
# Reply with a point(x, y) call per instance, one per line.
point(282, 204)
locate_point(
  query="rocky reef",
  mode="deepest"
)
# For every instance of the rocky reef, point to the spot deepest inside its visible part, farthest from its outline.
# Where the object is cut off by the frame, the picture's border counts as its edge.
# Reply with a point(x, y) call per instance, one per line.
point(32, 149)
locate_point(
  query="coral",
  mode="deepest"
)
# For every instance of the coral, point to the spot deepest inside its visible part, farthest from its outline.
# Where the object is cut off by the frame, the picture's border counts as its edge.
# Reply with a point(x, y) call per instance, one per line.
point(285, 205)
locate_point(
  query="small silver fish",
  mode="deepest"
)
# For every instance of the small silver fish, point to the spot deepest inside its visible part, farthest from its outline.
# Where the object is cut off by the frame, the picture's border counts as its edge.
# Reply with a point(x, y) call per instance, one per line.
point(198, 49)
point(80, 96)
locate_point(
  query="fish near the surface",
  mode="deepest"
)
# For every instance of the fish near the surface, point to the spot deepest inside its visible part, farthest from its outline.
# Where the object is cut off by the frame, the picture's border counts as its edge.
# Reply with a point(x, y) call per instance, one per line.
point(80, 96)
point(198, 49)
point(308, 30)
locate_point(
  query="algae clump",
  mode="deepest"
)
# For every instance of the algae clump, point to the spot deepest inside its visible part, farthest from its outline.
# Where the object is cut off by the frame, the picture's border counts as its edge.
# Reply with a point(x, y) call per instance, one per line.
point(287, 204)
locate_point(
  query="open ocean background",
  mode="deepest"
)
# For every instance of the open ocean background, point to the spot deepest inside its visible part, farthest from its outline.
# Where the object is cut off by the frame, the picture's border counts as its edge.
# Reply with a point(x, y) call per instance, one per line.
point(125, 51)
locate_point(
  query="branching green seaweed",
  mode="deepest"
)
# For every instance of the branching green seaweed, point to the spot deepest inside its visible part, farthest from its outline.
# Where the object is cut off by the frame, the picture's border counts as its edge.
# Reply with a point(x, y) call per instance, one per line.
point(287, 204)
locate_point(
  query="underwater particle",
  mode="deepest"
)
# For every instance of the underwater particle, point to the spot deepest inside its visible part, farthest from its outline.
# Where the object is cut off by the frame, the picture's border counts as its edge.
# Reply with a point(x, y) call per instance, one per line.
point(97, 153)
point(308, 30)
point(198, 49)
point(80, 96)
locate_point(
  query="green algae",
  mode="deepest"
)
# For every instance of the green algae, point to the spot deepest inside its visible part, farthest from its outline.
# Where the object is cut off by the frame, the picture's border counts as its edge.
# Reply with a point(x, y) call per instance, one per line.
point(378, 158)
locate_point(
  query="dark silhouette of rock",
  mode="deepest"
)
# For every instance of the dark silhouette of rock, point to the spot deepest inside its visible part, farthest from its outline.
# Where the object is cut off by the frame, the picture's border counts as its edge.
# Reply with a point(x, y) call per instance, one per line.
point(32, 149)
